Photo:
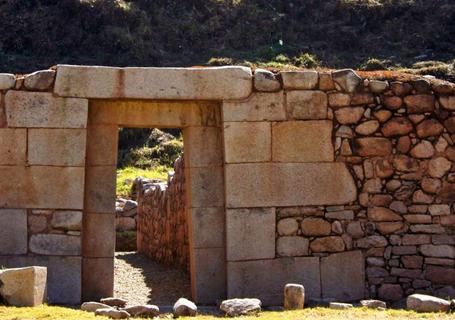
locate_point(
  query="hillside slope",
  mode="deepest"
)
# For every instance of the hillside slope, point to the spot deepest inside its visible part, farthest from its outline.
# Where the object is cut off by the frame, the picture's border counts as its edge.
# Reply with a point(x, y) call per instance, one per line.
point(36, 34)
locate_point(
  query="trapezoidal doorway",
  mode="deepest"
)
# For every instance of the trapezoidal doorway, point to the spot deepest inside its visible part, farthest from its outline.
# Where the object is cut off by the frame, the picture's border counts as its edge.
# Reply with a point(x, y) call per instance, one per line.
point(204, 180)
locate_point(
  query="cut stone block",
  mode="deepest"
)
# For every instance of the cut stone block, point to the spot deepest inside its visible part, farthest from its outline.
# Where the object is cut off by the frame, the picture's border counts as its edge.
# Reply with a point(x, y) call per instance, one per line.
point(43, 110)
point(13, 145)
point(302, 80)
point(250, 234)
point(205, 187)
point(307, 104)
point(100, 189)
point(99, 235)
point(247, 141)
point(42, 187)
point(55, 244)
point(288, 184)
point(63, 276)
point(258, 107)
point(67, 220)
point(343, 276)
point(209, 275)
point(23, 287)
point(207, 227)
point(219, 83)
point(97, 278)
point(149, 114)
point(57, 147)
point(302, 141)
point(102, 145)
point(203, 146)
point(13, 233)
point(265, 279)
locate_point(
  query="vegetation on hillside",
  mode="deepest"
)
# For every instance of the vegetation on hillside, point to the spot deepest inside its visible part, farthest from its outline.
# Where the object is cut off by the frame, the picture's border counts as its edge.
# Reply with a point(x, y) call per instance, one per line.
point(36, 34)
point(60, 313)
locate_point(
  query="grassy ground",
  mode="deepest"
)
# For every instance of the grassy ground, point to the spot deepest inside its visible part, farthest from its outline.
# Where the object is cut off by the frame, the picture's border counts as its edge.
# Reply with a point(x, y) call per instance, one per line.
point(59, 313)
point(125, 177)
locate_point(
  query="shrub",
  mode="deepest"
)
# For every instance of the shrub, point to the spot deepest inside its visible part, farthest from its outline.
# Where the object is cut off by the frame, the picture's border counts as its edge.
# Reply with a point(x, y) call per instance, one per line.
point(306, 60)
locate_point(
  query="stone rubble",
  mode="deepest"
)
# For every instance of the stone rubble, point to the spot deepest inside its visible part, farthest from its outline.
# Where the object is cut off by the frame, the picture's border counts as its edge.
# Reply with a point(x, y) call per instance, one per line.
point(240, 307)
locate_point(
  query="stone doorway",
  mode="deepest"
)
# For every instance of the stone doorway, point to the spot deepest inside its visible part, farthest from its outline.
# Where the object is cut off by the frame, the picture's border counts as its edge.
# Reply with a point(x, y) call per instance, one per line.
point(204, 178)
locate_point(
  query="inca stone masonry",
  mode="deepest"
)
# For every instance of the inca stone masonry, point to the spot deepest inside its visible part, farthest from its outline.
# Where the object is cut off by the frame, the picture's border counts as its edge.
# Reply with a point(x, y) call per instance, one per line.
point(341, 183)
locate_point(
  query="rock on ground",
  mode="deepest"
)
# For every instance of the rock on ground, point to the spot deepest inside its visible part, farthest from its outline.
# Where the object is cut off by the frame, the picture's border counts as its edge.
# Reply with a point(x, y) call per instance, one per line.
point(93, 306)
point(184, 307)
point(373, 304)
point(294, 296)
point(23, 287)
point(148, 311)
point(112, 313)
point(340, 306)
point(426, 303)
point(114, 302)
point(237, 307)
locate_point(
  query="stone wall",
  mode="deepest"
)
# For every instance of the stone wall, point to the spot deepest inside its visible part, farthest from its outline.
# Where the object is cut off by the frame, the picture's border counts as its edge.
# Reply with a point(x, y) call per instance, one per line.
point(162, 224)
point(342, 183)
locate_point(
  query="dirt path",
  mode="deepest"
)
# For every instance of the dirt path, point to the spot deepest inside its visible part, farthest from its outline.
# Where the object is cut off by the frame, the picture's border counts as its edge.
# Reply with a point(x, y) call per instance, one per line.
point(140, 280)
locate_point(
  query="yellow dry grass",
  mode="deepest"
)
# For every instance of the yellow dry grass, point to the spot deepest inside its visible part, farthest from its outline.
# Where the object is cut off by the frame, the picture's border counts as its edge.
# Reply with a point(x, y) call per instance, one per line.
point(61, 313)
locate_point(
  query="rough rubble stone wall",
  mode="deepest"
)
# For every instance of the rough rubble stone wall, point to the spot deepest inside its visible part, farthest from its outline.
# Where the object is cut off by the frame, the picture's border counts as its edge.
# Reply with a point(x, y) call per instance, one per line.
point(396, 138)
point(162, 224)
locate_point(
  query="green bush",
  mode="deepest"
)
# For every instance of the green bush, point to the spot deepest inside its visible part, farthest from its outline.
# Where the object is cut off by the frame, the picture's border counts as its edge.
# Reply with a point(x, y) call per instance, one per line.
point(373, 64)
point(306, 60)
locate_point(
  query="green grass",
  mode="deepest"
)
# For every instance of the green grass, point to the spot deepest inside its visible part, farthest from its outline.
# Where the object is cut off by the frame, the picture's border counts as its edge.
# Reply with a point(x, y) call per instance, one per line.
point(126, 176)
point(60, 313)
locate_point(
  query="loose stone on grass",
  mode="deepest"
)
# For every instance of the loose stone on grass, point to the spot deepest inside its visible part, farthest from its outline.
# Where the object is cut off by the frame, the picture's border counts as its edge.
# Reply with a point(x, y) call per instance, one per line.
point(185, 307)
point(340, 306)
point(114, 302)
point(238, 307)
point(148, 311)
point(294, 296)
point(426, 303)
point(93, 306)
point(112, 313)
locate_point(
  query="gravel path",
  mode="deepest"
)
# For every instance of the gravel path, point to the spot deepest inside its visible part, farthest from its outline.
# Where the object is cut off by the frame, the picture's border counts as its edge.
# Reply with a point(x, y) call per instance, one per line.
point(140, 280)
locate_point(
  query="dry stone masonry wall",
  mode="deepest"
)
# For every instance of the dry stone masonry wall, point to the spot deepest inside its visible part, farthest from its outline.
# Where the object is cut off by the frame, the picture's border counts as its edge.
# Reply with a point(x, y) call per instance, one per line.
point(162, 232)
point(340, 182)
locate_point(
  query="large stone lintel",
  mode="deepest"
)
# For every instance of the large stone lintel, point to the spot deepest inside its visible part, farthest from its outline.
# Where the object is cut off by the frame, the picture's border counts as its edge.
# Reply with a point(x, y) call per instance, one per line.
point(218, 83)
point(288, 184)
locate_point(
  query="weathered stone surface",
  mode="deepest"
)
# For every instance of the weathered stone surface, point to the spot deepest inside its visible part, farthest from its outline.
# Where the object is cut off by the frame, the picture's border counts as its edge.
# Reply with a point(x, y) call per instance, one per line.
point(393, 102)
point(63, 275)
point(351, 285)
point(337, 100)
point(239, 307)
point(327, 244)
point(250, 234)
point(412, 262)
point(294, 296)
point(258, 107)
point(371, 147)
point(315, 227)
point(291, 184)
point(39, 80)
point(419, 103)
point(438, 167)
point(247, 141)
point(7, 81)
point(400, 88)
point(252, 278)
point(438, 251)
point(397, 126)
point(389, 227)
point(355, 229)
point(367, 128)
point(68, 220)
point(423, 150)
point(112, 313)
point(350, 115)
point(382, 214)
point(99, 281)
point(99, 235)
point(302, 80)
point(55, 244)
point(103, 145)
point(340, 215)
point(265, 80)
point(443, 239)
point(202, 138)
point(162, 83)
point(372, 242)
point(390, 292)
point(67, 147)
point(326, 82)
point(426, 303)
point(347, 79)
point(416, 239)
point(13, 233)
point(447, 102)
point(23, 287)
point(439, 209)
point(205, 186)
point(100, 189)
point(440, 275)
point(373, 304)
point(405, 163)
point(427, 228)
point(377, 86)
point(184, 307)
point(287, 227)
point(307, 104)
point(429, 128)
point(43, 110)
point(300, 141)
point(13, 145)
point(431, 185)
point(144, 311)
point(292, 246)
point(449, 123)
point(340, 305)
point(114, 302)
point(212, 222)
point(92, 306)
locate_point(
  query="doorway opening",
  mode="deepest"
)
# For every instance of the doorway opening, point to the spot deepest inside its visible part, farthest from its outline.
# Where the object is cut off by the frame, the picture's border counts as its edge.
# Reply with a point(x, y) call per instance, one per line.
point(152, 251)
